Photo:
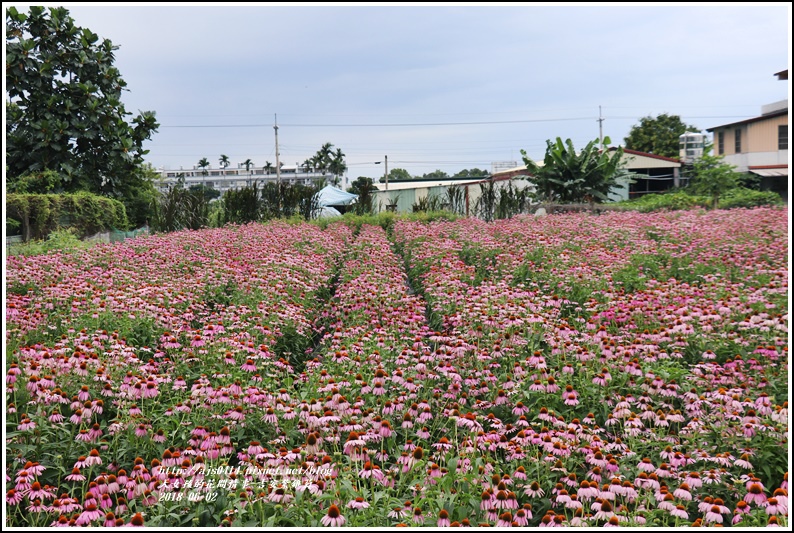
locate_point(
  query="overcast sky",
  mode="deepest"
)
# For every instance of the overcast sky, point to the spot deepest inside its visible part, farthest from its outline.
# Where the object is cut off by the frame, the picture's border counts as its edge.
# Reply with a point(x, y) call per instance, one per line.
point(445, 87)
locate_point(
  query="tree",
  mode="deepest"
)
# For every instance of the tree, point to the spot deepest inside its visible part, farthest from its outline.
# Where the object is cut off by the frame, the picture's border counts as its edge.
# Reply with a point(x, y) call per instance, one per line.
point(398, 174)
point(224, 161)
point(658, 135)
point(337, 165)
point(712, 176)
point(64, 111)
point(361, 183)
point(248, 164)
point(268, 167)
point(567, 176)
point(204, 164)
point(435, 175)
point(471, 173)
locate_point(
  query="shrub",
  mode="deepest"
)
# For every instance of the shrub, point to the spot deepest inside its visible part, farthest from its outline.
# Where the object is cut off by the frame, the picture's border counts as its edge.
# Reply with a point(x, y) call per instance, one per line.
point(39, 215)
point(742, 197)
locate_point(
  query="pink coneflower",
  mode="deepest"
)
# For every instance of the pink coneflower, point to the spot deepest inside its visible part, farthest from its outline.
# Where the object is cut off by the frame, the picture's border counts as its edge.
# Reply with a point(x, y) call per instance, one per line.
point(442, 444)
point(357, 503)
point(398, 512)
point(110, 520)
point(37, 507)
point(418, 516)
point(773, 506)
point(742, 507)
point(682, 492)
point(680, 512)
point(89, 514)
point(755, 494)
point(443, 518)
point(505, 519)
point(75, 475)
point(533, 490)
point(646, 465)
point(36, 491)
point(13, 497)
point(713, 515)
point(520, 409)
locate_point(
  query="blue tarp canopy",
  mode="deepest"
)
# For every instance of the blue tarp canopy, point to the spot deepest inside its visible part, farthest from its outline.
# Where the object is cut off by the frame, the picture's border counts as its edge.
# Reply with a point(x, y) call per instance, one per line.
point(330, 195)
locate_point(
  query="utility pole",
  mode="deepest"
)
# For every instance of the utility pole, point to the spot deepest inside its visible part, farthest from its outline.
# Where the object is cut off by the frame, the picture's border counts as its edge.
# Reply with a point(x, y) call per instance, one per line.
point(278, 166)
point(600, 129)
point(386, 171)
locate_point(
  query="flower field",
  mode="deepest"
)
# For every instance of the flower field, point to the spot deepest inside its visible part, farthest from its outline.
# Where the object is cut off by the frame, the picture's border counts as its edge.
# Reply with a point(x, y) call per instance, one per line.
point(575, 370)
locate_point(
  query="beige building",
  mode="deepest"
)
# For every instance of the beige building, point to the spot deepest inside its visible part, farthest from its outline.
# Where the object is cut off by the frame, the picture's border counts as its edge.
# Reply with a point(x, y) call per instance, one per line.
point(758, 145)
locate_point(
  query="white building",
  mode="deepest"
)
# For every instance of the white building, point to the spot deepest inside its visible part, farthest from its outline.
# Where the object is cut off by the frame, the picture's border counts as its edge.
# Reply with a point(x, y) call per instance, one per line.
point(224, 179)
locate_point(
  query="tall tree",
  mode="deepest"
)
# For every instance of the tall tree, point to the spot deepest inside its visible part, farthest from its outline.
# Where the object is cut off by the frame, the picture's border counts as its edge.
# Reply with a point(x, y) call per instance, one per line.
point(224, 161)
point(337, 165)
point(268, 167)
point(658, 135)
point(204, 164)
point(64, 111)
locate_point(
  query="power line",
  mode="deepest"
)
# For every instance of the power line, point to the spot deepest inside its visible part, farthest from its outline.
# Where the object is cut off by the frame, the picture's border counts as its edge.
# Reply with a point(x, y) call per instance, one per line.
point(421, 124)
point(381, 125)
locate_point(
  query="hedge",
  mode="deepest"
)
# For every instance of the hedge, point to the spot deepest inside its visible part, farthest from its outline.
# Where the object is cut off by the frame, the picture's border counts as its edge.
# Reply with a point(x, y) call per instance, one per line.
point(41, 214)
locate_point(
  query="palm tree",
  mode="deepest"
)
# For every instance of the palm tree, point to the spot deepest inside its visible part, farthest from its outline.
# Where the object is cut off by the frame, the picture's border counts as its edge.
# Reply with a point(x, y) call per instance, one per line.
point(323, 156)
point(248, 164)
point(337, 166)
point(308, 165)
point(203, 164)
point(224, 160)
point(268, 167)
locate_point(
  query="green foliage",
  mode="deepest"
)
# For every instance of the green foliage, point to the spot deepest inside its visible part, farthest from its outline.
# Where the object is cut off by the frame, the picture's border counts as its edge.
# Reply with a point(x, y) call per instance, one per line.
point(568, 176)
point(672, 201)
point(741, 197)
point(242, 205)
point(472, 173)
point(512, 201)
point(179, 208)
point(456, 200)
point(47, 181)
point(364, 188)
point(39, 215)
point(677, 200)
point(658, 135)
point(398, 174)
point(62, 240)
point(208, 192)
point(204, 164)
point(428, 203)
point(64, 111)
point(435, 175)
point(712, 177)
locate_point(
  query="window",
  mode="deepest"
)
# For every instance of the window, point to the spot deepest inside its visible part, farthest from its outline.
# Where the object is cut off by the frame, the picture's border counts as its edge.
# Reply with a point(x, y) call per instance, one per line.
point(782, 137)
point(720, 143)
point(738, 137)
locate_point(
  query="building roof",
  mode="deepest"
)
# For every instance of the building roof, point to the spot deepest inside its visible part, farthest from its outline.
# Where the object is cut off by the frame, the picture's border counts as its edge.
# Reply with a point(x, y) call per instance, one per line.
point(646, 154)
point(782, 75)
point(751, 120)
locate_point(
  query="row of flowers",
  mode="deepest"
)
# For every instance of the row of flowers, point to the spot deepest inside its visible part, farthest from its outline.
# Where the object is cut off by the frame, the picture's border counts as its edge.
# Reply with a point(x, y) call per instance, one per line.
point(599, 378)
